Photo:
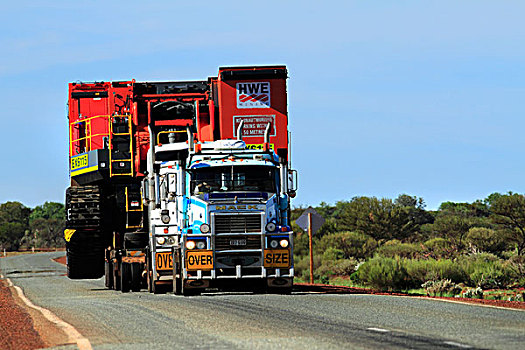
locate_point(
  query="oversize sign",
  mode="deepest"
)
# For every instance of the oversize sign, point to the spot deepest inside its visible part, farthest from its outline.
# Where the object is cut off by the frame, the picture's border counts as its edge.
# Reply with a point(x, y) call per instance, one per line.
point(199, 260)
point(164, 261)
point(253, 95)
point(254, 125)
point(277, 258)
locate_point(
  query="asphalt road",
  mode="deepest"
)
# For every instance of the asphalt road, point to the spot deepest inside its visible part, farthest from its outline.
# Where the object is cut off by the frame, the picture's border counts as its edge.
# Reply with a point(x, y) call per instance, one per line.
point(112, 320)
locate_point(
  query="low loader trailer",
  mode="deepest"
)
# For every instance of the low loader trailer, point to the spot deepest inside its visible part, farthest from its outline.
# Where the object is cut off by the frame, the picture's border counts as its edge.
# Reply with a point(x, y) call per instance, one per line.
point(182, 185)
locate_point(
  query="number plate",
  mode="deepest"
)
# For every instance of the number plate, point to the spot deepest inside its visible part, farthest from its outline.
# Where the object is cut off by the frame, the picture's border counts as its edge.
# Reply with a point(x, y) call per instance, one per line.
point(199, 260)
point(277, 258)
point(237, 242)
point(164, 261)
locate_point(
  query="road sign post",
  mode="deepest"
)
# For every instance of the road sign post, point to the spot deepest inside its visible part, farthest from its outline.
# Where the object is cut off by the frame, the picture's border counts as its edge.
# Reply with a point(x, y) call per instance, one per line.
point(310, 221)
point(310, 243)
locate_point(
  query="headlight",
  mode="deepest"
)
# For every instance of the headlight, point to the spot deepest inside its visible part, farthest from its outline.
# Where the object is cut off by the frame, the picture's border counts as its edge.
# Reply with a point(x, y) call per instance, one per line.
point(171, 240)
point(283, 243)
point(274, 243)
point(190, 244)
point(270, 227)
point(205, 228)
point(165, 218)
point(201, 244)
point(161, 240)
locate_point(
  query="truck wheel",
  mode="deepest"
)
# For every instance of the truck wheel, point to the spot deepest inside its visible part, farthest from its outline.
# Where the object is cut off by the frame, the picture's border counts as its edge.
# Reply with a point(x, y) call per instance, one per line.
point(136, 276)
point(149, 274)
point(116, 278)
point(85, 257)
point(189, 291)
point(177, 285)
point(125, 277)
point(108, 273)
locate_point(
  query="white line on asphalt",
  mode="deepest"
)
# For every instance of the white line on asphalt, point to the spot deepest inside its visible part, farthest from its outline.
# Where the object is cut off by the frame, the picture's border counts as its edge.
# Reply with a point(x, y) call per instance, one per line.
point(73, 335)
point(459, 345)
point(381, 330)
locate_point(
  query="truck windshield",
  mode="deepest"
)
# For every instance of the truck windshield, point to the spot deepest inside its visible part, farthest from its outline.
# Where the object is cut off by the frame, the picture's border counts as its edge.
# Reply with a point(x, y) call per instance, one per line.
point(234, 178)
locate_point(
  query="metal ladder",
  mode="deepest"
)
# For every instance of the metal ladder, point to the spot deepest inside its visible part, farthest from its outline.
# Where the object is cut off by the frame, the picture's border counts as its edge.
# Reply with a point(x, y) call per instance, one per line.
point(112, 153)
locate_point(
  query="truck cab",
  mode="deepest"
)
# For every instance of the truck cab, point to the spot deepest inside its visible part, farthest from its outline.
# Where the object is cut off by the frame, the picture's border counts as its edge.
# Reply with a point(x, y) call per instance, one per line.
point(220, 220)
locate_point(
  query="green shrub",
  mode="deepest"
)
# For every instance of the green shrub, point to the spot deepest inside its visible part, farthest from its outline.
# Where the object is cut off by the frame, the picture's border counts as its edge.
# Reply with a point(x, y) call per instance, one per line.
point(352, 244)
point(341, 267)
point(488, 271)
point(487, 240)
point(302, 266)
point(421, 271)
point(438, 248)
point(332, 254)
point(383, 273)
point(395, 248)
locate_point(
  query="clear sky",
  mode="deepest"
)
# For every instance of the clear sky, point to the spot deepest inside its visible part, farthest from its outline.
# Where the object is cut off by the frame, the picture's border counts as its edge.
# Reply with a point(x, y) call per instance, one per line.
point(385, 97)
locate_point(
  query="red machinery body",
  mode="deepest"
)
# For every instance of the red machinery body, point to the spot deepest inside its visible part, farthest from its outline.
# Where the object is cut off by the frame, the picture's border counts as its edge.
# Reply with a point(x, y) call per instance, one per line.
point(116, 115)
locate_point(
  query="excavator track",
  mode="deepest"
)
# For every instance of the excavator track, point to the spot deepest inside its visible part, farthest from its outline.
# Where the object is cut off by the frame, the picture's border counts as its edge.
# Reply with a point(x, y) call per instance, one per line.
point(85, 249)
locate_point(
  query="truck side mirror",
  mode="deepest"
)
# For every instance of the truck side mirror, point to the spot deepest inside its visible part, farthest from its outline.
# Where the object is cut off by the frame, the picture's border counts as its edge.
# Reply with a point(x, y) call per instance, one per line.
point(292, 182)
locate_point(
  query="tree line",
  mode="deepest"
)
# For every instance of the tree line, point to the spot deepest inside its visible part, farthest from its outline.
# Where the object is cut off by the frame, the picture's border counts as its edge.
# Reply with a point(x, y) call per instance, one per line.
point(24, 228)
point(367, 231)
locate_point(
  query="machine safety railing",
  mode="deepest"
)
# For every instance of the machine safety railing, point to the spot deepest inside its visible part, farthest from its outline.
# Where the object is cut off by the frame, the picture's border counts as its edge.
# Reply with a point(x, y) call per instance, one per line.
point(128, 134)
point(75, 145)
point(84, 140)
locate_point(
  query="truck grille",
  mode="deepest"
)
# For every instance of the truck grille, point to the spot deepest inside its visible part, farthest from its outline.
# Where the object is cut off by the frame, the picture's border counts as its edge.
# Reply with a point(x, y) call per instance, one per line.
point(238, 223)
point(231, 242)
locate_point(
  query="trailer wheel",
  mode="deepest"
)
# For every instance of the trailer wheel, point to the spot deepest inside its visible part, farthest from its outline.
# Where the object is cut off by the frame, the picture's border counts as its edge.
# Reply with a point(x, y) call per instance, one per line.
point(136, 276)
point(108, 273)
point(125, 277)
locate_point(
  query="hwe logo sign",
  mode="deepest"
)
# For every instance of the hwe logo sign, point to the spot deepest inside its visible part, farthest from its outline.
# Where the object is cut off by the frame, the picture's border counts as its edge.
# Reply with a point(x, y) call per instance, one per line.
point(253, 95)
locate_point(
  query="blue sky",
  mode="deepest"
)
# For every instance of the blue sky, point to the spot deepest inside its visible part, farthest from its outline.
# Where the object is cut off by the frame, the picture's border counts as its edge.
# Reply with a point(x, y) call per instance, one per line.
point(385, 97)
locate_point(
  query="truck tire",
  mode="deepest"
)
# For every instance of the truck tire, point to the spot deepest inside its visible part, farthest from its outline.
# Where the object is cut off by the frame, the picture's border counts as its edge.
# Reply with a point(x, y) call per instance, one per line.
point(85, 256)
point(177, 285)
point(189, 291)
point(136, 276)
point(149, 273)
point(116, 277)
point(125, 277)
point(108, 273)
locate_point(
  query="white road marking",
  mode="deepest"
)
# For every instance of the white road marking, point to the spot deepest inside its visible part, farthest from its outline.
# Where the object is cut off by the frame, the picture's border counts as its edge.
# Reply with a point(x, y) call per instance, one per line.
point(381, 330)
point(459, 345)
point(73, 335)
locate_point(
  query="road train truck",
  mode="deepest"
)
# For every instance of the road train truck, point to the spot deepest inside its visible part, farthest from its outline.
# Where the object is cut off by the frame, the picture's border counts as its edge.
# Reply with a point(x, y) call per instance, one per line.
point(181, 185)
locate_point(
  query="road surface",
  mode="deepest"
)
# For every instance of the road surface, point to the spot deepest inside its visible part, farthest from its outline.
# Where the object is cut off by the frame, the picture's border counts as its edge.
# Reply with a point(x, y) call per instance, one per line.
point(112, 320)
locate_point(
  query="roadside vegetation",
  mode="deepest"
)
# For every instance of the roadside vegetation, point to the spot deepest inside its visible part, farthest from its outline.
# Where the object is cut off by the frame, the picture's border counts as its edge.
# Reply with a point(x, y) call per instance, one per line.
point(23, 228)
point(462, 249)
